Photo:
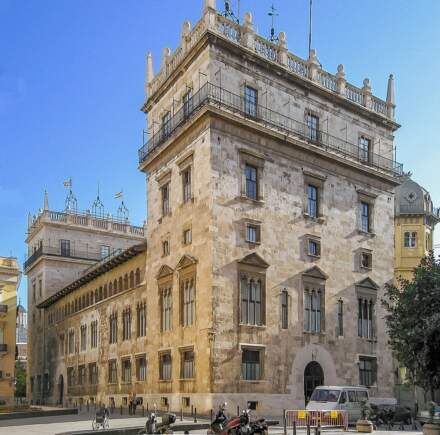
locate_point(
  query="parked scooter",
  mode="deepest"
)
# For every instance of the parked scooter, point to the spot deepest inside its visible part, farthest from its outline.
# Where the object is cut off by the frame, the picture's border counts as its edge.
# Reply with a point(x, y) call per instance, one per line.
point(153, 426)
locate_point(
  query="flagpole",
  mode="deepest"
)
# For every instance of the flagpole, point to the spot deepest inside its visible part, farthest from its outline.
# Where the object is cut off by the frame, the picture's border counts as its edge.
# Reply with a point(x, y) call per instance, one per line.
point(310, 26)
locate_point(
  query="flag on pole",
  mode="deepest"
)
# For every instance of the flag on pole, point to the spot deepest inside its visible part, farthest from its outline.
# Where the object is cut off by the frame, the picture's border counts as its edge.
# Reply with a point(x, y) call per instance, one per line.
point(118, 195)
point(67, 183)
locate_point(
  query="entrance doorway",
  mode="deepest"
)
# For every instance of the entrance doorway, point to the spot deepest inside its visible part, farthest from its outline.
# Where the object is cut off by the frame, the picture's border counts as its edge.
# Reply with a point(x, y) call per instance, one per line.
point(313, 377)
point(60, 390)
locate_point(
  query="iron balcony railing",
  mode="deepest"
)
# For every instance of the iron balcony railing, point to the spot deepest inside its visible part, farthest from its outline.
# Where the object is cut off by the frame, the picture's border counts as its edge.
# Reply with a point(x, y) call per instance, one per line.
point(210, 94)
point(3, 309)
point(61, 252)
point(3, 347)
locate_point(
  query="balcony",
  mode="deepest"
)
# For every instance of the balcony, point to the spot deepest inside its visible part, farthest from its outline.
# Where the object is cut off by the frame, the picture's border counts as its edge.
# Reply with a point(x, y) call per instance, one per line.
point(3, 348)
point(3, 310)
point(64, 253)
point(217, 97)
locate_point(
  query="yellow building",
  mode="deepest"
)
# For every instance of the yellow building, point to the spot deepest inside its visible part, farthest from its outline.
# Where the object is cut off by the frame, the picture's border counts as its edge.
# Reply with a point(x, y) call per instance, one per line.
point(415, 220)
point(9, 281)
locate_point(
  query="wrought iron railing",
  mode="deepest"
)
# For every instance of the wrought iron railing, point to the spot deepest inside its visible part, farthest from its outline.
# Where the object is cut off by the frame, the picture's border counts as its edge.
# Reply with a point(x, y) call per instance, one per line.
point(210, 94)
point(3, 309)
point(58, 252)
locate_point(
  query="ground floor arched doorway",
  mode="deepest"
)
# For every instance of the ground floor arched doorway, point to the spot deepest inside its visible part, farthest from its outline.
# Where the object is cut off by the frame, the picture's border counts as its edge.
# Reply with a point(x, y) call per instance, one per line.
point(313, 376)
point(60, 390)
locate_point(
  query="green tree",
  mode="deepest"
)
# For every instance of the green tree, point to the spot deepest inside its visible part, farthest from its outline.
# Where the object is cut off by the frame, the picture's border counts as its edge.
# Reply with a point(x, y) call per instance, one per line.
point(20, 376)
point(413, 322)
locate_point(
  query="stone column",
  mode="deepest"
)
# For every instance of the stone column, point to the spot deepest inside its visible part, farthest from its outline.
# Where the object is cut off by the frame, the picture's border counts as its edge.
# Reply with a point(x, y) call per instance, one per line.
point(340, 77)
point(149, 74)
point(282, 58)
point(248, 38)
point(209, 12)
point(366, 90)
point(391, 106)
point(314, 65)
point(186, 29)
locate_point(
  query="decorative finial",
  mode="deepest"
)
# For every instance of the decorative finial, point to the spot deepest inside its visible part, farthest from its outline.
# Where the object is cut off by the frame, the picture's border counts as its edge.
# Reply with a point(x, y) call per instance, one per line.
point(166, 54)
point(29, 220)
point(46, 201)
point(282, 39)
point(122, 212)
point(209, 4)
point(186, 28)
point(367, 85)
point(313, 58)
point(390, 90)
point(71, 203)
point(341, 72)
point(248, 20)
point(98, 207)
point(273, 14)
point(150, 72)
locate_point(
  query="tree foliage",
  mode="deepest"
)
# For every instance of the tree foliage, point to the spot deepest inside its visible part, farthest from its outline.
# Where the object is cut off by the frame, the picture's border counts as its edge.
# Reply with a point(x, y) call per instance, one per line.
point(413, 322)
point(20, 376)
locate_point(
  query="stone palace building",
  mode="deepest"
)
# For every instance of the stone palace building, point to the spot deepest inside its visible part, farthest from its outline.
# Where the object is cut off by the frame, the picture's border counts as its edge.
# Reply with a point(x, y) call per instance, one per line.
point(268, 244)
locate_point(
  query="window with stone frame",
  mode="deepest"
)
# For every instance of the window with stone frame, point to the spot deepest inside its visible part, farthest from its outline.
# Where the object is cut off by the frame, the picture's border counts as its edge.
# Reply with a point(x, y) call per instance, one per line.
point(313, 194)
point(284, 309)
point(94, 334)
point(126, 324)
point(312, 121)
point(187, 364)
point(340, 319)
point(165, 366)
point(71, 381)
point(186, 184)
point(81, 375)
point(314, 300)
point(366, 292)
point(83, 338)
point(250, 101)
point(71, 341)
point(126, 370)
point(113, 328)
point(312, 200)
point(166, 307)
point(187, 236)
point(367, 371)
point(187, 300)
point(365, 217)
point(253, 232)
point(366, 259)
point(137, 276)
point(166, 124)
point(313, 246)
point(251, 364)
point(141, 368)
point(61, 344)
point(252, 167)
point(410, 239)
point(112, 372)
point(364, 148)
point(165, 192)
point(141, 319)
point(93, 374)
point(187, 103)
point(165, 248)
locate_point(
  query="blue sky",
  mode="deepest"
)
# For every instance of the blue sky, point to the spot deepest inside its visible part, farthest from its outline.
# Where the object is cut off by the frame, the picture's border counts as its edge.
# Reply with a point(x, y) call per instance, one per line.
point(71, 85)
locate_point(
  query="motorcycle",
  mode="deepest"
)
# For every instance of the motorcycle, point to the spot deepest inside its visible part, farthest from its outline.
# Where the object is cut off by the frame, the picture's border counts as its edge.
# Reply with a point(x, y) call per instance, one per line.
point(241, 425)
point(153, 426)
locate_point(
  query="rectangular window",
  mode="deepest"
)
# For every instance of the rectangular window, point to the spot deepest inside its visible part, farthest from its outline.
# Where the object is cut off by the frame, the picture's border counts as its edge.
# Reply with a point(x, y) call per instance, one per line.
point(365, 217)
point(364, 149)
point(141, 368)
point(93, 373)
point(284, 309)
point(165, 367)
point(313, 127)
point(250, 101)
point(340, 327)
point(94, 334)
point(312, 310)
point(126, 324)
point(141, 320)
point(365, 318)
point(126, 370)
point(251, 173)
point(187, 237)
point(70, 377)
point(186, 184)
point(81, 375)
point(165, 199)
point(112, 372)
point(187, 369)
point(314, 248)
point(113, 328)
point(366, 260)
point(40, 288)
point(367, 371)
point(410, 239)
point(165, 248)
point(187, 294)
point(251, 301)
point(312, 201)
point(166, 309)
point(253, 233)
point(187, 101)
point(61, 344)
point(105, 251)
point(71, 341)
point(250, 365)
point(83, 338)
point(65, 248)
point(166, 125)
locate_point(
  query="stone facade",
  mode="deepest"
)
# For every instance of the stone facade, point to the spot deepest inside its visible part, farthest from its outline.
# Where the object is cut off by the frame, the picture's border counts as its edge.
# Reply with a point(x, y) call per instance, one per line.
point(270, 231)
point(9, 281)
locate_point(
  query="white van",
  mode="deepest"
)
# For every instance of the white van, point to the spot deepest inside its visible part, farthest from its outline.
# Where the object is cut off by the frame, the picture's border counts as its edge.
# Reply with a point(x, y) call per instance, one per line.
point(327, 398)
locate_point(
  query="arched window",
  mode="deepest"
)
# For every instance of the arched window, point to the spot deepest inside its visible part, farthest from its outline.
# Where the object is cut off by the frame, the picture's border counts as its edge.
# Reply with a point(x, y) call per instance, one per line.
point(87, 300)
point(138, 276)
point(120, 286)
point(110, 289)
point(100, 293)
point(131, 279)
point(105, 291)
point(91, 298)
point(76, 305)
point(115, 286)
point(96, 295)
point(125, 282)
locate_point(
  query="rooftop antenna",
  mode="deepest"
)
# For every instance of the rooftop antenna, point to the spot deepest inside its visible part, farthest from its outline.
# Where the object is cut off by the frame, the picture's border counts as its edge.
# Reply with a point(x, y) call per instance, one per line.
point(273, 14)
point(310, 26)
point(228, 13)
